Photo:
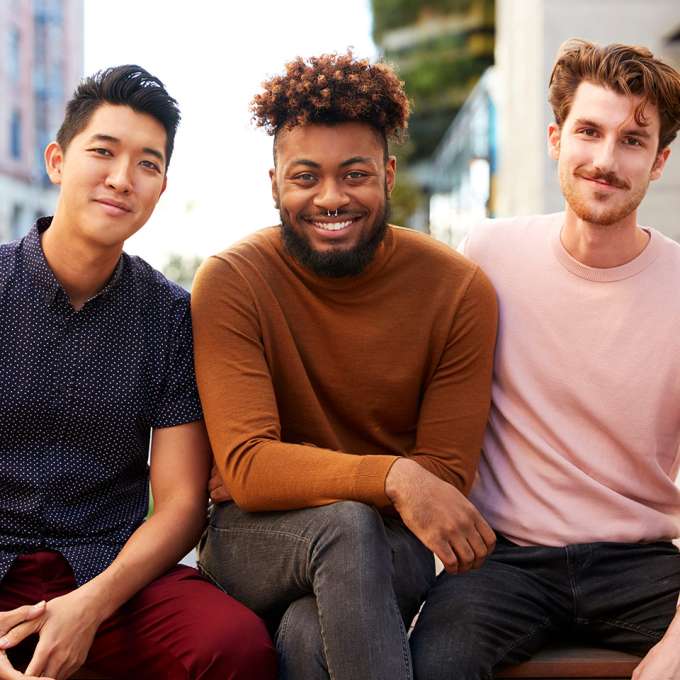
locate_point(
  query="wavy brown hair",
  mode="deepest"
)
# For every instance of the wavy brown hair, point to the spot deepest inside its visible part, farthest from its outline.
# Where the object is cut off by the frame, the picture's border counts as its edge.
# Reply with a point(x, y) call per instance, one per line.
point(625, 69)
point(330, 89)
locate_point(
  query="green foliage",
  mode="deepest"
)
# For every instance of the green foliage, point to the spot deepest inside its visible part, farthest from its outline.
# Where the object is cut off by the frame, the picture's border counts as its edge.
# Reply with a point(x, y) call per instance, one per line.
point(406, 197)
point(391, 14)
point(181, 268)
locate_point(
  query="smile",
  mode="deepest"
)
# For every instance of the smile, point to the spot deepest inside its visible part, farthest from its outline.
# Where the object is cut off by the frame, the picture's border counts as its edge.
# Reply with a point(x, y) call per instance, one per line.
point(333, 226)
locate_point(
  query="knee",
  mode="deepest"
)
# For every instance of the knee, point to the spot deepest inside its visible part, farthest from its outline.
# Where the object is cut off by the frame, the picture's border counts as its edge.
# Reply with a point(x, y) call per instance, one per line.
point(356, 526)
point(238, 648)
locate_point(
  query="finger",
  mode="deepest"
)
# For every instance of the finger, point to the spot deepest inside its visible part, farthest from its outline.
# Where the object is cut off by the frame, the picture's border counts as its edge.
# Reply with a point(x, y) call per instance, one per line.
point(16, 616)
point(479, 548)
point(447, 557)
point(464, 553)
point(19, 633)
point(486, 532)
point(38, 663)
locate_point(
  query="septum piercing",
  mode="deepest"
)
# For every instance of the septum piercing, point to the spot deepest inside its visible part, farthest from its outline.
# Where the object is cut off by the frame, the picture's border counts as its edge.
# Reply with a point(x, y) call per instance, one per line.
point(329, 214)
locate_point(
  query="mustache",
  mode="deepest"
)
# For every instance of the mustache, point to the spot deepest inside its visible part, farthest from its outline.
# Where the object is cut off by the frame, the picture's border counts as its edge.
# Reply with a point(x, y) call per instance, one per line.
point(608, 177)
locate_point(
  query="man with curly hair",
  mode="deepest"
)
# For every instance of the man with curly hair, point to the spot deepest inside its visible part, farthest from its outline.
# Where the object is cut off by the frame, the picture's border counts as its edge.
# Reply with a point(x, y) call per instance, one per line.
point(583, 444)
point(344, 367)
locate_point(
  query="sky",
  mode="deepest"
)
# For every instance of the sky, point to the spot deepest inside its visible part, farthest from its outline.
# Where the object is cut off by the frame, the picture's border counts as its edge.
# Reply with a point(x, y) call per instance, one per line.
point(212, 57)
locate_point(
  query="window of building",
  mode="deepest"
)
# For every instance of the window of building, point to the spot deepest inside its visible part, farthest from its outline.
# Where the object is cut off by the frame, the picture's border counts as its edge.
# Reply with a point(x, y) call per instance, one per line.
point(15, 135)
point(14, 53)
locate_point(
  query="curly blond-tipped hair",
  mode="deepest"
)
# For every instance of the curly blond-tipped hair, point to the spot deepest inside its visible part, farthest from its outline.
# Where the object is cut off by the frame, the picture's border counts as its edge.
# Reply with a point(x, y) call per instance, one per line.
point(333, 88)
point(625, 69)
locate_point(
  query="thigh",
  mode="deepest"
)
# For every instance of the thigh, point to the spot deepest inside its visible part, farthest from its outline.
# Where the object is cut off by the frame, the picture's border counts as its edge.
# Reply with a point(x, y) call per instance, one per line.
point(268, 559)
point(501, 613)
point(628, 594)
point(179, 627)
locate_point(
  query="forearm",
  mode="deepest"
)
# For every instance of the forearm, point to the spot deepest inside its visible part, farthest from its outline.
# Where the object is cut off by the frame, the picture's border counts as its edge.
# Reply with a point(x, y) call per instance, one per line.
point(152, 549)
point(274, 475)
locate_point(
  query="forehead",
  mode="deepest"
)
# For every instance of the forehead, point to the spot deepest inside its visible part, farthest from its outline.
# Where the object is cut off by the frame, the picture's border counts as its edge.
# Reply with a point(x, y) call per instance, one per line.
point(125, 125)
point(611, 109)
point(329, 144)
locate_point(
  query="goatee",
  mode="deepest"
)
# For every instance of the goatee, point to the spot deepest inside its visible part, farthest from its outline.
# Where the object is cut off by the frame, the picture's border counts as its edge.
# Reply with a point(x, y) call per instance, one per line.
point(336, 263)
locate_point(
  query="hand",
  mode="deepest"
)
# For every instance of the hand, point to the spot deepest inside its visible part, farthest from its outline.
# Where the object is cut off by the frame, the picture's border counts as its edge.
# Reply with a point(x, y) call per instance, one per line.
point(662, 661)
point(65, 634)
point(8, 672)
point(216, 488)
point(440, 516)
point(14, 617)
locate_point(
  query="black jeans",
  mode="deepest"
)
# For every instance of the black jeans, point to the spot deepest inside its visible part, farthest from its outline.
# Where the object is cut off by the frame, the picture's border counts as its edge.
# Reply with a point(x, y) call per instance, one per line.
point(619, 595)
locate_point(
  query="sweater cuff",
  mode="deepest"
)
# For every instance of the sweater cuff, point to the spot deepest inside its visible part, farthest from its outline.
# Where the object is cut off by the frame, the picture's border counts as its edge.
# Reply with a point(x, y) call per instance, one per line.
point(369, 485)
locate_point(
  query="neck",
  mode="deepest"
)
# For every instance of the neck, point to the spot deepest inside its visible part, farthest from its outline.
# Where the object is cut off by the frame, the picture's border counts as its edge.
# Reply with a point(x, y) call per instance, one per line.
point(600, 246)
point(81, 268)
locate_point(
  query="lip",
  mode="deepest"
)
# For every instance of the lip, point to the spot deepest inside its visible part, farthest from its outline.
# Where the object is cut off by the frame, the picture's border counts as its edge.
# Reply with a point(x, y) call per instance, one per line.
point(113, 207)
point(606, 186)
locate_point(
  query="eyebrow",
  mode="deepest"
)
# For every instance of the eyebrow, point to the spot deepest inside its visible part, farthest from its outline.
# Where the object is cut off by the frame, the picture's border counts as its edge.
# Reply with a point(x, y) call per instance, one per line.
point(114, 140)
point(349, 161)
point(632, 132)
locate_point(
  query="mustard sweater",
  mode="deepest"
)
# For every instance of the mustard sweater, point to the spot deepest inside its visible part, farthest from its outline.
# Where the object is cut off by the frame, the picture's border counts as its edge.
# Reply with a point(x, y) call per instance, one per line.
point(313, 386)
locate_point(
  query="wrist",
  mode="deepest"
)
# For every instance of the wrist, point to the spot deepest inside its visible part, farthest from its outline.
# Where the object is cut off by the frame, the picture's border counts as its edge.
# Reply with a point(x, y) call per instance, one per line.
point(398, 479)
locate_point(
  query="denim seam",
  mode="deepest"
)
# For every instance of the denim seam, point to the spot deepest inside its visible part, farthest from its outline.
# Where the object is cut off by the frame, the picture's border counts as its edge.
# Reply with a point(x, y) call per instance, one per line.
point(629, 626)
point(276, 532)
point(205, 572)
point(501, 657)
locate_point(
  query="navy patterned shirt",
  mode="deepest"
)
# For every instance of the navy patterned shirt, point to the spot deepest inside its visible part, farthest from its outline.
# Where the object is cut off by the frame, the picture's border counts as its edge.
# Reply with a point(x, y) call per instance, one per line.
point(79, 394)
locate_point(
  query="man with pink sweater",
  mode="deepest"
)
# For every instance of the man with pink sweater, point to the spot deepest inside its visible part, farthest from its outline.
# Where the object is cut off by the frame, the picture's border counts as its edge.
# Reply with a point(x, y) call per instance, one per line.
point(582, 447)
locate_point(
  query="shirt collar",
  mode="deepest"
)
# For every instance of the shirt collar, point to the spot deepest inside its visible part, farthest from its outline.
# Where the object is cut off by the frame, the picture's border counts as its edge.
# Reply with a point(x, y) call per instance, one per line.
point(36, 264)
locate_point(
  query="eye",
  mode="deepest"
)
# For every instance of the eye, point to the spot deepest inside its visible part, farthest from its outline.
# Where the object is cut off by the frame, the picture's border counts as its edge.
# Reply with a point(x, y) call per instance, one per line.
point(151, 165)
point(305, 177)
point(632, 141)
point(356, 174)
point(588, 132)
point(101, 151)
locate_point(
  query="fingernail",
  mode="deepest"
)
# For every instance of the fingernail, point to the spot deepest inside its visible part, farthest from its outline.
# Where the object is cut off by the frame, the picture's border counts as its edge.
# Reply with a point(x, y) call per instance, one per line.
point(4, 642)
point(39, 605)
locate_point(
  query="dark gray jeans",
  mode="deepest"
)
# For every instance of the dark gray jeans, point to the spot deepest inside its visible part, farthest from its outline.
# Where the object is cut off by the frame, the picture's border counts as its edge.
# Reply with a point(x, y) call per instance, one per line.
point(342, 582)
point(619, 595)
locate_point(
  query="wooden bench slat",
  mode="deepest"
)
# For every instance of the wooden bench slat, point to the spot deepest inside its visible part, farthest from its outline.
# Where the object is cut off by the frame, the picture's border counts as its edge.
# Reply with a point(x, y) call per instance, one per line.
point(573, 662)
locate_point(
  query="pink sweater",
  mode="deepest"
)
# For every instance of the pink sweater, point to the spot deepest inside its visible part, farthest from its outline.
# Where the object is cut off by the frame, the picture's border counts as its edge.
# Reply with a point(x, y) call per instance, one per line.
point(583, 441)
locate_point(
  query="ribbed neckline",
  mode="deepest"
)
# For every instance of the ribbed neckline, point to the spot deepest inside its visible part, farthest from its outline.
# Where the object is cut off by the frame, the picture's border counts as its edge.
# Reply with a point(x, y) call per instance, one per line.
point(608, 274)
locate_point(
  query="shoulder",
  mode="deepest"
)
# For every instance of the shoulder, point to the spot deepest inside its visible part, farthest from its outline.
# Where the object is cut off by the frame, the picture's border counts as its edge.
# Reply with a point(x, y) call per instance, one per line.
point(252, 256)
point(509, 238)
point(8, 253)
point(415, 249)
point(161, 298)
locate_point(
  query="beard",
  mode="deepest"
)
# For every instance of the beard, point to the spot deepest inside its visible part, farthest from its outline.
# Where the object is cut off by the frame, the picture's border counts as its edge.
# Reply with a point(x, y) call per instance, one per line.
point(341, 262)
point(605, 211)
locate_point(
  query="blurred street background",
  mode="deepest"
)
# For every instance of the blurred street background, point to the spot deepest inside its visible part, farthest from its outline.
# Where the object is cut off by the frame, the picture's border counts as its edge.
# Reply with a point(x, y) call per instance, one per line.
point(476, 71)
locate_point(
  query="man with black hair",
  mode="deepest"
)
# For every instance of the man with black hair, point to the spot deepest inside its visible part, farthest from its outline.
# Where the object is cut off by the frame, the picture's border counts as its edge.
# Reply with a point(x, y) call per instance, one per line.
point(95, 354)
point(344, 366)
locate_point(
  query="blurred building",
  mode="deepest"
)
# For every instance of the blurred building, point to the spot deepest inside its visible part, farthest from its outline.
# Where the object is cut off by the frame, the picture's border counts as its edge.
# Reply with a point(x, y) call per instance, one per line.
point(522, 179)
point(41, 63)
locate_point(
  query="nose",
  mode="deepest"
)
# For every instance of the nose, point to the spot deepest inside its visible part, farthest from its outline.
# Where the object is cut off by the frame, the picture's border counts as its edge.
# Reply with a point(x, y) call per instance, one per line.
point(605, 155)
point(120, 175)
point(330, 195)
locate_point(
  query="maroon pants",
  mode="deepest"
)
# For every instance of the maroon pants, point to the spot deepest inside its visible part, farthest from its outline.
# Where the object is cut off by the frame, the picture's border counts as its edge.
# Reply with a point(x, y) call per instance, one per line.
point(179, 627)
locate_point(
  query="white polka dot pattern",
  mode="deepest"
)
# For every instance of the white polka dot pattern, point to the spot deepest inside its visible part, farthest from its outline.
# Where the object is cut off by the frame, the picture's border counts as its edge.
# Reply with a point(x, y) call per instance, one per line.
point(79, 394)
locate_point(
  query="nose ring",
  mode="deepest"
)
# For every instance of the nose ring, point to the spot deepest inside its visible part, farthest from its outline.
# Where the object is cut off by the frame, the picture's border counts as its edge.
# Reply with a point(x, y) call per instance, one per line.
point(334, 214)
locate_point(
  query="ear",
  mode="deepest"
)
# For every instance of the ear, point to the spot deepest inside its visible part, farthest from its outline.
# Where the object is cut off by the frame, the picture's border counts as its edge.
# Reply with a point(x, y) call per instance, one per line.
point(660, 163)
point(554, 136)
point(165, 185)
point(390, 173)
point(54, 161)
point(275, 187)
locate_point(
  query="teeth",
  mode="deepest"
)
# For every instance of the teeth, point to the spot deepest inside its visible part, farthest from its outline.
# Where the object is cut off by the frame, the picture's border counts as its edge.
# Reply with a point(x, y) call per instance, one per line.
point(332, 226)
